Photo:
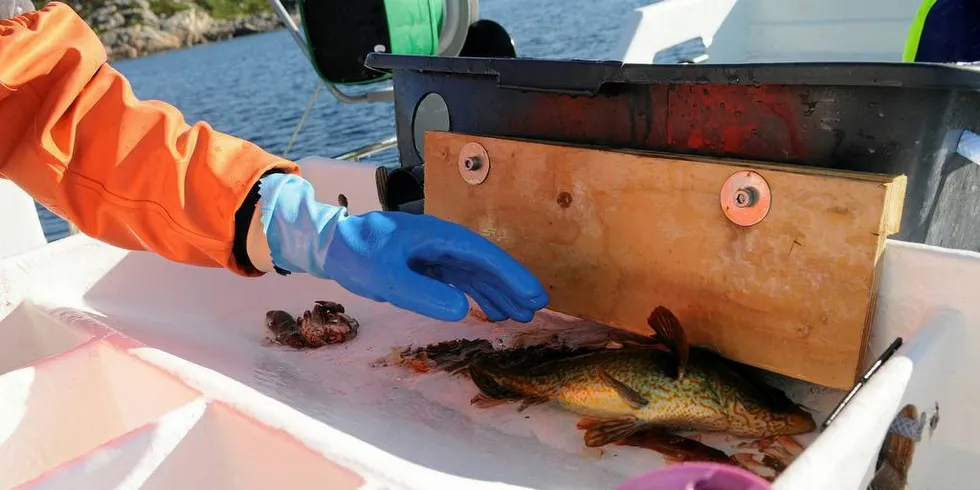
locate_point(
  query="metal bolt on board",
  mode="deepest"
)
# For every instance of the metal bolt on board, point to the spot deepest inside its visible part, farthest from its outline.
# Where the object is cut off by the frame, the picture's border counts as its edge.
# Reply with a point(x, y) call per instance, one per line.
point(745, 198)
point(474, 163)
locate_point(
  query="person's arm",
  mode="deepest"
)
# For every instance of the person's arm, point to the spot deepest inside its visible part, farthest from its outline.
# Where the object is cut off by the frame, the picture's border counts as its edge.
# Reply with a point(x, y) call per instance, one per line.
point(128, 172)
point(134, 174)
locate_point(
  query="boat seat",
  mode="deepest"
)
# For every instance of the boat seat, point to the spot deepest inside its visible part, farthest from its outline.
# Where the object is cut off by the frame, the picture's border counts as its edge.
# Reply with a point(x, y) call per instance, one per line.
point(771, 31)
point(21, 228)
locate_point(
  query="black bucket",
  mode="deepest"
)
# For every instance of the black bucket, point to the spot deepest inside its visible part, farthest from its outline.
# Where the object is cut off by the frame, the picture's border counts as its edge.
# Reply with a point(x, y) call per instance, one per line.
point(890, 118)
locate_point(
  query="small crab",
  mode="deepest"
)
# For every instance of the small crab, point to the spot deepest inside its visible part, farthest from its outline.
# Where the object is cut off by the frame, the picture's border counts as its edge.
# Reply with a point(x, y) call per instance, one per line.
point(325, 324)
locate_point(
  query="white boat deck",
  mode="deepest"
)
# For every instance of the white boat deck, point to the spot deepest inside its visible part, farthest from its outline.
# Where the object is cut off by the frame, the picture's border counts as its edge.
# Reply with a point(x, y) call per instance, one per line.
point(123, 370)
point(90, 344)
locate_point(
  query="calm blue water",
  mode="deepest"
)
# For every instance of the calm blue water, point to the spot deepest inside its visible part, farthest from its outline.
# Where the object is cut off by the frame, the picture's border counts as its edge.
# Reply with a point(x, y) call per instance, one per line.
point(257, 87)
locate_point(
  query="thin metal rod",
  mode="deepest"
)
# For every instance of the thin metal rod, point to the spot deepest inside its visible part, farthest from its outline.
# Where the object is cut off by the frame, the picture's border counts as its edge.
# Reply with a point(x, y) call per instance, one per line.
point(885, 356)
point(345, 98)
point(302, 120)
point(368, 150)
point(287, 20)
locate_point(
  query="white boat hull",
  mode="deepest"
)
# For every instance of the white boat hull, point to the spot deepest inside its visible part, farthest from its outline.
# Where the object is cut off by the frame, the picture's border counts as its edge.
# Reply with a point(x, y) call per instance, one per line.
point(125, 370)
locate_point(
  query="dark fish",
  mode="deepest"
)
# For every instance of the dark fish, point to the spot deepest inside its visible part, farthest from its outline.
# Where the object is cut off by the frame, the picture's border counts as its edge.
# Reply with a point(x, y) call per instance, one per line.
point(895, 457)
point(675, 448)
point(326, 323)
point(451, 356)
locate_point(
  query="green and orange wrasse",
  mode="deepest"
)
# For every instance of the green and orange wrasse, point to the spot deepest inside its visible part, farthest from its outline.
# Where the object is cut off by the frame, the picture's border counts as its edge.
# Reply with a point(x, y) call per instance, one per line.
point(640, 388)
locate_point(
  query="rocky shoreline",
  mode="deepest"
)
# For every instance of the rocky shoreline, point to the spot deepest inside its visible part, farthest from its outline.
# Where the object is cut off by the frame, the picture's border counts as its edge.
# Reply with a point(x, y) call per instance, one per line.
point(130, 28)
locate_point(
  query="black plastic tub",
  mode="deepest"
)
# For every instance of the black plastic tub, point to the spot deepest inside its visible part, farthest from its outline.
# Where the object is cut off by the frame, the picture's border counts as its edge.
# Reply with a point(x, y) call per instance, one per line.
point(893, 118)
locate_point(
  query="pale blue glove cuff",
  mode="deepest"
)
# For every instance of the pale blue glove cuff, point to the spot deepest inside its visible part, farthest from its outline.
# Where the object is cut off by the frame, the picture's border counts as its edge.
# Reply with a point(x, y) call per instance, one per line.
point(298, 228)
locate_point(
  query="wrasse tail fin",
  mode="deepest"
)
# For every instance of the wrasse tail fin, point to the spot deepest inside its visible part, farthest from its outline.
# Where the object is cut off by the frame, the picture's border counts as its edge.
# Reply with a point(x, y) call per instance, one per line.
point(599, 432)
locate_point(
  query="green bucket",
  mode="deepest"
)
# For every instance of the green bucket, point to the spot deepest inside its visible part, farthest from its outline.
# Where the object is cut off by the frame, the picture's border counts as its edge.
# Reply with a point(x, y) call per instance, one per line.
point(340, 34)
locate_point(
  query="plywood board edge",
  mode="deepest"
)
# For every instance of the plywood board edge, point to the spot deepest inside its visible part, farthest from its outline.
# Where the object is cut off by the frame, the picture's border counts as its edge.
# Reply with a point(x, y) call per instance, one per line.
point(729, 161)
point(894, 205)
point(891, 217)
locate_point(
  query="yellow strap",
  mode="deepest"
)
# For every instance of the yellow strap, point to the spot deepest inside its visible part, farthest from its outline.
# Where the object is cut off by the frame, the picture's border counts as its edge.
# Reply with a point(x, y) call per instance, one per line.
point(915, 31)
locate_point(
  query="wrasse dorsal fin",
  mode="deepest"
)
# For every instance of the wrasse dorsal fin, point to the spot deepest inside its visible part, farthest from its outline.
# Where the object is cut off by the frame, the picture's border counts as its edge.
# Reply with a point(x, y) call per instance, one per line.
point(526, 358)
point(600, 432)
point(670, 332)
point(634, 398)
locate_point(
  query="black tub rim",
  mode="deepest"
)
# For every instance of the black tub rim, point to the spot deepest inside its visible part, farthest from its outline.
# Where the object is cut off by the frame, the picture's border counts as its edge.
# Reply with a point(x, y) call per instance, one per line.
point(588, 77)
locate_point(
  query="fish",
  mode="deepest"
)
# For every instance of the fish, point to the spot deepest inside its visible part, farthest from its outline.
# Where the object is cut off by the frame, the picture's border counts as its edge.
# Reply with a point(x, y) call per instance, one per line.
point(895, 456)
point(888, 477)
point(326, 323)
point(621, 392)
point(451, 356)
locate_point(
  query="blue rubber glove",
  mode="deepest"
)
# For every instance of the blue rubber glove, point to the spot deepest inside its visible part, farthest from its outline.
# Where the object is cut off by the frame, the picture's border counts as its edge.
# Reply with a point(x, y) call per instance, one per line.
point(411, 261)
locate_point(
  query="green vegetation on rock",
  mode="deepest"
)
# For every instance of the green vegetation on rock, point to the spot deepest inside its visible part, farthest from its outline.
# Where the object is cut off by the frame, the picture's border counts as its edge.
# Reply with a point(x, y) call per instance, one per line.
point(218, 9)
point(131, 28)
point(167, 8)
point(230, 9)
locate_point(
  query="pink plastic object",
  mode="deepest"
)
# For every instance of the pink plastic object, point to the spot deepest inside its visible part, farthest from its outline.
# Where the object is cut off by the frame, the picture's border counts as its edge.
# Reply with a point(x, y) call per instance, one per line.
point(697, 476)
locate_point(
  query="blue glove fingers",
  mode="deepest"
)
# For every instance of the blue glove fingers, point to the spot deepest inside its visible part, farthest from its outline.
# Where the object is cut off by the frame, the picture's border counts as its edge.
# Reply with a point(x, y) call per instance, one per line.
point(493, 313)
point(509, 308)
point(493, 288)
point(483, 255)
point(464, 280)
point(487, 288)
point(426, 296)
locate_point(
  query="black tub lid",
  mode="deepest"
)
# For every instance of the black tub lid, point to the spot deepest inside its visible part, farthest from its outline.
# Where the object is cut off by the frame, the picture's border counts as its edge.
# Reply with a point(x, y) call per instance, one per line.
point(586, 77)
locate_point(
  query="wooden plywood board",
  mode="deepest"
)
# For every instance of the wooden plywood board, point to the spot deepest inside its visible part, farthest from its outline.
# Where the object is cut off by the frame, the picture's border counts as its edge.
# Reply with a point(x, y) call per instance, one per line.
point(614, 234)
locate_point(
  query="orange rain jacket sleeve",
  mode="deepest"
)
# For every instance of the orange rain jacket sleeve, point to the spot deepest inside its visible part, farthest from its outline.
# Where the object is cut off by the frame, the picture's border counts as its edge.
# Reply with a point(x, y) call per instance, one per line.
point(128, 172)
